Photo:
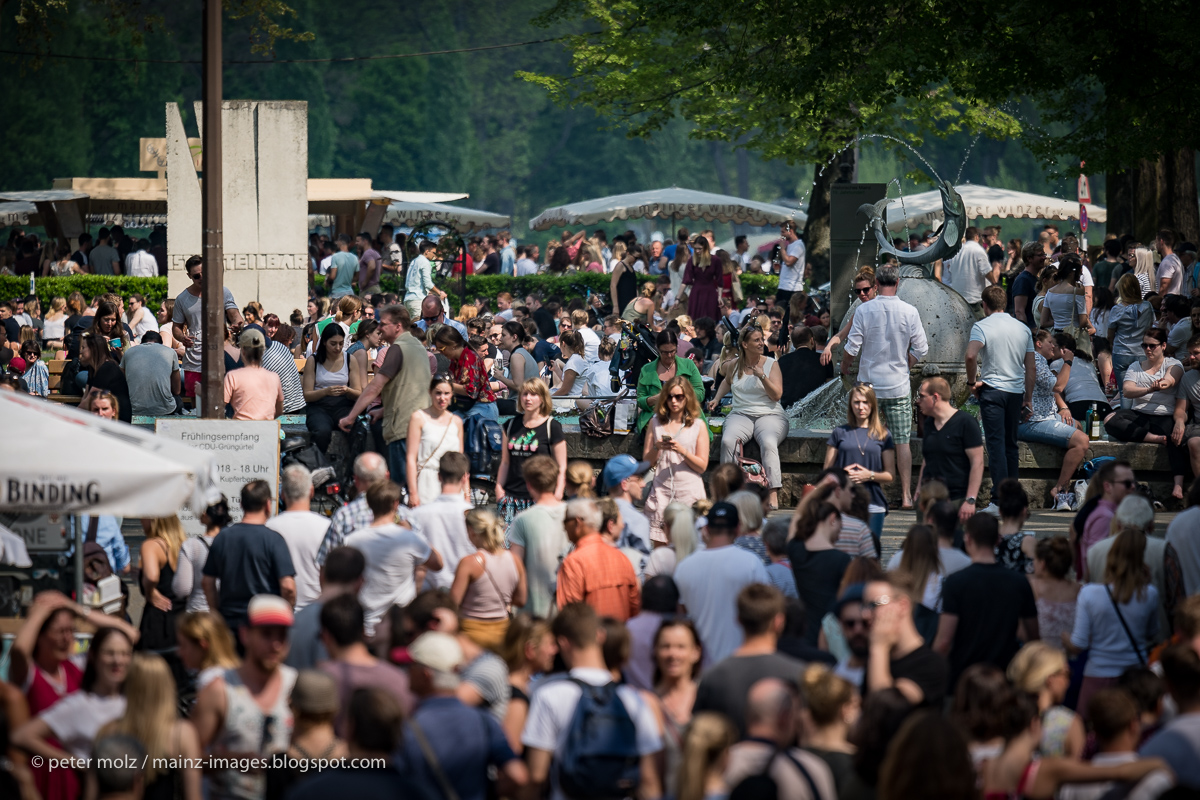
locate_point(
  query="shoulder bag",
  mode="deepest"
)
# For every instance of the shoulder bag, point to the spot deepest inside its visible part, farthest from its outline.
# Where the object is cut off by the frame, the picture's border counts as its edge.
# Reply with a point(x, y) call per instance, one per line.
point(1121, 617)
point(1083, 339)
point(598, 421)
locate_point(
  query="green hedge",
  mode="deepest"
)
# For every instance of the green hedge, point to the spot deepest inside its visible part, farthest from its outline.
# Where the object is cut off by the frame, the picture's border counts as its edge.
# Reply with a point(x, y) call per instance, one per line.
point(155, 289)
point(46, 289)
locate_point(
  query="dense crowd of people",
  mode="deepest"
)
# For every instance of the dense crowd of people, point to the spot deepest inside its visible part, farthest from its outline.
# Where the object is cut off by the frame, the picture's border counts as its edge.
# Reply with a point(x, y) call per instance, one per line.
point(657, 628)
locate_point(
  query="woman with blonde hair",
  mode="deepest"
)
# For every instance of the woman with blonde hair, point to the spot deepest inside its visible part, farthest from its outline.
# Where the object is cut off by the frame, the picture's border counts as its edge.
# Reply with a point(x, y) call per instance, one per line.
point(467, 312)
point(150, 717)
point(1128, 322)
point(54, 326)
point(487, 583)
point(863, 447)
point(159, 558)
point(756, 385)
point(205, 646)
point(529, 650)
point(705, 757)
point(677, 444)
point(581, 480)
point(1143, 270)
point(1115, 621)
point(679, 522)
point(832, 706)
point(532, 432)
point(750, 523)
point(1041, 671)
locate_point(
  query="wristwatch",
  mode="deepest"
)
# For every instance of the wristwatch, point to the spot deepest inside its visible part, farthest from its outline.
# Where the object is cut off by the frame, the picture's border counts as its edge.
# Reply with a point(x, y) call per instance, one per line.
point(970, 500)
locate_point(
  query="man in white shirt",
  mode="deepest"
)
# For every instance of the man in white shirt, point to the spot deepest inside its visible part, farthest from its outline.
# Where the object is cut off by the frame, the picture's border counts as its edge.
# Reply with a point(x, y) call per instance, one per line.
point(791, 271)
point(552, 707)
point(396, 557)
point(1005, 385)
point(302, 530)
point(327, 249)
point(741, 255)
point(1170, 268)
point(709, 581)
point(969, 272)
point(139, 263)
point(525, 265)
point(185, 322)
point(897, 342)
point(442, 523)
point(418, 283)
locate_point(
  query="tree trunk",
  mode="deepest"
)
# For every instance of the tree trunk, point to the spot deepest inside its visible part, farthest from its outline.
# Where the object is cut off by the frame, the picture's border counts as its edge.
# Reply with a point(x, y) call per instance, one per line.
point(1146, 183)
point(816, 232)
point(1183, 209)
point(1119, 202)
point(718, 158)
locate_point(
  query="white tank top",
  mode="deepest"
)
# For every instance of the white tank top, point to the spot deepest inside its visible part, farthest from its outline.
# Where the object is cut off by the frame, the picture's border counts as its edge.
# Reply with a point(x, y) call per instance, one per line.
point(248, 730)
point(749, 396)
point(325, 379)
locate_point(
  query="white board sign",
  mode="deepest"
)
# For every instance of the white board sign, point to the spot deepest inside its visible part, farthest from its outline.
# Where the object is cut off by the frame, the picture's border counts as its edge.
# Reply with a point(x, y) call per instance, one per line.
point(40, 531)
point(244, 451)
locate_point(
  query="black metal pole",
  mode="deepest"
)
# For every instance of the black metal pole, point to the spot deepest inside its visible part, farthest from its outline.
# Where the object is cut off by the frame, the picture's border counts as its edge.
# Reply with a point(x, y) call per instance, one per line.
point(212, 326)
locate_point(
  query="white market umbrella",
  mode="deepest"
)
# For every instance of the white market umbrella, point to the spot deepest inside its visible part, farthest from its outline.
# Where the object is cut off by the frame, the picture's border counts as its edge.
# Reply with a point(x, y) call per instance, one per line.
point(60, 459)
point(673, 203)
point(16, 213)
point(985, 201)
point(412, 214)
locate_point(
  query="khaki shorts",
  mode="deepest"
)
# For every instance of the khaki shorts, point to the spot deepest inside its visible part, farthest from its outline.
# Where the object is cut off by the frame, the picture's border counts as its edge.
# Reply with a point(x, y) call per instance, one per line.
point(898, 413)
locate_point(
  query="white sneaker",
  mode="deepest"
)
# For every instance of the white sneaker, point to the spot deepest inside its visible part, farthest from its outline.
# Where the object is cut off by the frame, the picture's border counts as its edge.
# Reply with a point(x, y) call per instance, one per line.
point(1063, 501)
point(992, 509)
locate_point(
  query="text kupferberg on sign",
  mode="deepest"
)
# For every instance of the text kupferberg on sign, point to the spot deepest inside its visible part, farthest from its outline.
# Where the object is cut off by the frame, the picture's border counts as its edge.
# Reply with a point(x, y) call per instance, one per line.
point(244, 451)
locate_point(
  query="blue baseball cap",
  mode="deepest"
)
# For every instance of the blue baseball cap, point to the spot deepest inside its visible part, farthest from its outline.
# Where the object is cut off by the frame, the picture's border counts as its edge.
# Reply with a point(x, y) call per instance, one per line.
point(723, 515)
point(618, 468)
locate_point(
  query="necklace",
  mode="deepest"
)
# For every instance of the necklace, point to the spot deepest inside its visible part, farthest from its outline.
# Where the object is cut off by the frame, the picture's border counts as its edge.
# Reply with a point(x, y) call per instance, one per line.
point(858, 440)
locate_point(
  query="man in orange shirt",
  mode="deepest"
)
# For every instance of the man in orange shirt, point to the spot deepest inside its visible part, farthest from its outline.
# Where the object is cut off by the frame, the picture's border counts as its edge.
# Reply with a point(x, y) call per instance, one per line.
point(595, 572)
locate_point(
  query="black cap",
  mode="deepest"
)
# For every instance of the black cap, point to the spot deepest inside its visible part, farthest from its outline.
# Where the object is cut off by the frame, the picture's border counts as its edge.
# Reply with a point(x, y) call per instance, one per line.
point(723, 515)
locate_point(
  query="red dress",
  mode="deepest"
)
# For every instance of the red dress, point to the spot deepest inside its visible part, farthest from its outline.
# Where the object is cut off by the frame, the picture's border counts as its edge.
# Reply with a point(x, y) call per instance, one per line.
point(59, 784)
point(705, 283)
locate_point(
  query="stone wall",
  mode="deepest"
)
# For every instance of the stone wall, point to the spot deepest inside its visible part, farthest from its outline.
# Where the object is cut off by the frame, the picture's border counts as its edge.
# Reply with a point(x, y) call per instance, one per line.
point(802, 457)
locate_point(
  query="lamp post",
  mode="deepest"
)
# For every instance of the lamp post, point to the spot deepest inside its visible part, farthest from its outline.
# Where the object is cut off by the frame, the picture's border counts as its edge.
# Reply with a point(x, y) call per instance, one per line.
point(212, 298)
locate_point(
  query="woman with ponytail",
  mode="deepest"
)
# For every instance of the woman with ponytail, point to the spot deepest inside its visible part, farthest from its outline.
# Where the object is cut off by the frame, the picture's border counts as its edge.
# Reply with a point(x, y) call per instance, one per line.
point(487, 583)
point(705, 755)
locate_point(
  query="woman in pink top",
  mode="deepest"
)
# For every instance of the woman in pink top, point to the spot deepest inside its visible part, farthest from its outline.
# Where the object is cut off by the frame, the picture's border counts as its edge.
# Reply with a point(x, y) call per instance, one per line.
point(487, 583)
point(254, 392)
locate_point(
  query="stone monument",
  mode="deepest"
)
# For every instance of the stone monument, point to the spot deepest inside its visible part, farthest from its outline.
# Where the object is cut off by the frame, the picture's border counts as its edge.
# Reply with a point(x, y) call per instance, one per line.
point(265, 196)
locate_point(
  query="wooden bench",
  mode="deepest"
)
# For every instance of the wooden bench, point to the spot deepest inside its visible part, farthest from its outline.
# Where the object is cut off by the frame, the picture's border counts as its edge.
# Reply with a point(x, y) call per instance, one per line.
point(55, 367)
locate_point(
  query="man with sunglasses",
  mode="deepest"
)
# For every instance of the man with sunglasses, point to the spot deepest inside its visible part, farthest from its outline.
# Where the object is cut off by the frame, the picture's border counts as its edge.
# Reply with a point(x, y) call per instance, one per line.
point(186, 322)
point(1118, 481)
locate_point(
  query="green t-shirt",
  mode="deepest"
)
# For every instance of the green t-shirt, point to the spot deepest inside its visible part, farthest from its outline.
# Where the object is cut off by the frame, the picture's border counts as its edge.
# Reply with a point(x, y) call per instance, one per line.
point(347, 269)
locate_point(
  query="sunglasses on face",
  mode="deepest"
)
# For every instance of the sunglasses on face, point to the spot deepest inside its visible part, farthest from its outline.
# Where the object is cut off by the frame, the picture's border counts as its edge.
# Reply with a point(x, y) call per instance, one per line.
point(855, 623)
point(675, 397)
point(1151, 345)
point(864, 290)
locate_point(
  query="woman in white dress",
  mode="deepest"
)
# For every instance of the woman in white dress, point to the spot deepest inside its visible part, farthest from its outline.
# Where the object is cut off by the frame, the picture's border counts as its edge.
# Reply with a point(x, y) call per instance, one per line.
point(432, 432)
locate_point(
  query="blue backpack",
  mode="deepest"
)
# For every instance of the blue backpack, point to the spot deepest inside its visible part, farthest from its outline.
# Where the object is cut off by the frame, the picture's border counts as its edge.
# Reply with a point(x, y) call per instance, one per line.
point(600, 758)
point(483, 444)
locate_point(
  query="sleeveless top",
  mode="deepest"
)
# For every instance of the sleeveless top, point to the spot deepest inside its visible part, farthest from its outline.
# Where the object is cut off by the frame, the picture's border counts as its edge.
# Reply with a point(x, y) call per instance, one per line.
point(749, 397)
point(630, 314)
point(157, 627)
point(58, 784)
point(324, 379)
point(408, 390)
point(1053, 619)
point(436, 441)
point(248, 730)
point(54, 328)
point(488, 596)
point(166, 784)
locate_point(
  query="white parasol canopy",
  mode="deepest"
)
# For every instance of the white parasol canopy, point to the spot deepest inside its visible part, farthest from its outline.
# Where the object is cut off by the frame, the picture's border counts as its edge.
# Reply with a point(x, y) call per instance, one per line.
point(16, 213)
point(984, 201)
point(411, 214)
point(60, 459)
point(672, 203)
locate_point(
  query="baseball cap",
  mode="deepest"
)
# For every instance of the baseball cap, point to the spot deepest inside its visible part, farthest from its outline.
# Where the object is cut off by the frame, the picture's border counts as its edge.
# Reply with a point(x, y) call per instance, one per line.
point(17, 363)
point(437, 651)
point(621, 467)
point(723, 515)
point(852, 594)
point(269, 609)
point(315, 693)
point(252, 337)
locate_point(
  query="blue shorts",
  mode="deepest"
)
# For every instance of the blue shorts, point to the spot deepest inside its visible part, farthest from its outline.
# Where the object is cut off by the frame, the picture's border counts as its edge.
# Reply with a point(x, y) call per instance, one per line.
point(1047, 431)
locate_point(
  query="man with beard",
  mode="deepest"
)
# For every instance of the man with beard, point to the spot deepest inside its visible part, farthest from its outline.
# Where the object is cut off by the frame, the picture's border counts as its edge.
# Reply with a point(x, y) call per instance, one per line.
point(244, 712)
point(857, 630)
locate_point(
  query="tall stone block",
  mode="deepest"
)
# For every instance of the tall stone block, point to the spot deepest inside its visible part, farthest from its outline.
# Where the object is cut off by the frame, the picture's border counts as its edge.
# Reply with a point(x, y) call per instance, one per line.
point(265, 224)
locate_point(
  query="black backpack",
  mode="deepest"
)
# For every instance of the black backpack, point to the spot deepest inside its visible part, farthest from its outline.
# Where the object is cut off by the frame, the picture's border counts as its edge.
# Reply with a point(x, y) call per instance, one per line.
point(600, 759)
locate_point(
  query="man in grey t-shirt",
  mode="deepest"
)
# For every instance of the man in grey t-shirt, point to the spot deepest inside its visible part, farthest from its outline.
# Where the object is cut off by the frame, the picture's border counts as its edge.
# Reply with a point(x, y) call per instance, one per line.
point(103, 258)
point(152, 371)
point(185, 322)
